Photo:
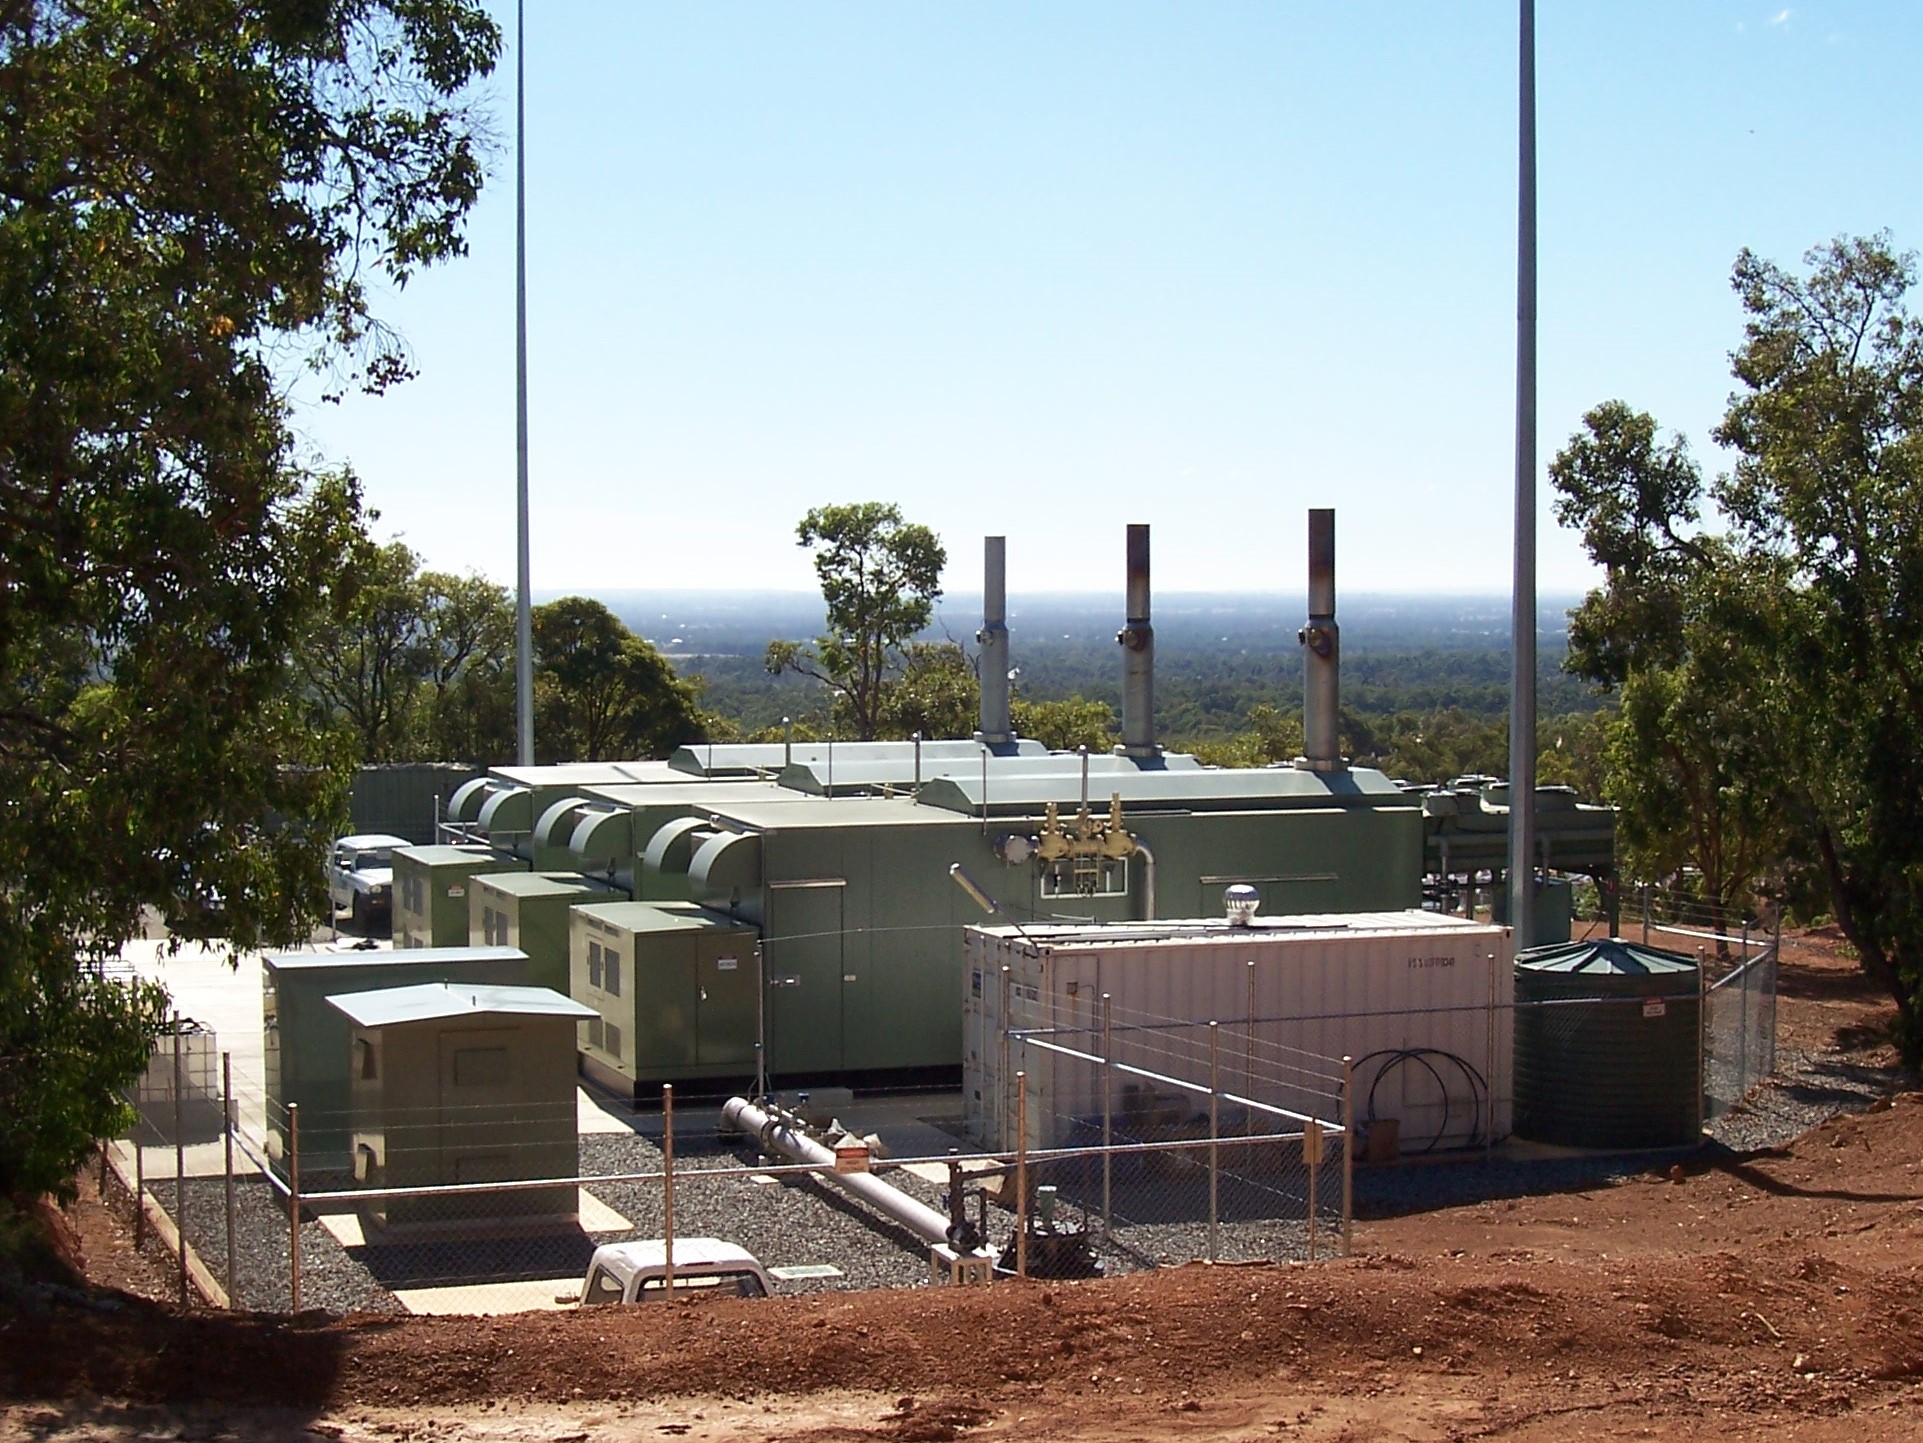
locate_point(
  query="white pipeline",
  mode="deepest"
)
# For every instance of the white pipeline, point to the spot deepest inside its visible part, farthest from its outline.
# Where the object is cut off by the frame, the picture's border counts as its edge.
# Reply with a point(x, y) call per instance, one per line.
point(776, 1136)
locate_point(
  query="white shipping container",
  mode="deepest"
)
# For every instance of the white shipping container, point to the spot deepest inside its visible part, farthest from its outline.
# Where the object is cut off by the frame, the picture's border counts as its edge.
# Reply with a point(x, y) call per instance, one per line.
point(1419, 1000)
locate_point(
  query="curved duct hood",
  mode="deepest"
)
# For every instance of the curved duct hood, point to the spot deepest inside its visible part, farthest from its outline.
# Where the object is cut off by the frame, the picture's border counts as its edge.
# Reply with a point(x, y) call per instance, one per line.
point(671, 849)
point(603, 838)
point(558, 818)
point(729, 863)
point(465, 805)
point(509, 810)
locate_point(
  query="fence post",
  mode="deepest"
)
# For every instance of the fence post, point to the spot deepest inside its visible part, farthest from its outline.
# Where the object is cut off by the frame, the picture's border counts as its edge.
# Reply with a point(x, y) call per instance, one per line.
point(1248, 1066)
point(293, 1204)
point(1215, 1132)
point(1645, 892)
point(1021, 1174)
point(1001, 1076)
point(1312, 1154)
point(1348, 1152)
point(1702, 1038)
point(180, 1170)
point(1108, 1115)
point(1489, 1072)
point(227, 1146)
point(1742, 1022)
point(140, 1179)
point(667, 1189)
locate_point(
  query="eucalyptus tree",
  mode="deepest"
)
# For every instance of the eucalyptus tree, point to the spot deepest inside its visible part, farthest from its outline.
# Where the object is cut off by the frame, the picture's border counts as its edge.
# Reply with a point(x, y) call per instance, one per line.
point(196, 198)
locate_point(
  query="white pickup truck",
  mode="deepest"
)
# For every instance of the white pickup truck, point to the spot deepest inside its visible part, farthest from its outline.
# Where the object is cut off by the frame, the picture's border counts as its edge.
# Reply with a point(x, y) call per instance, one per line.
point(703, 1267)
point(360, 878)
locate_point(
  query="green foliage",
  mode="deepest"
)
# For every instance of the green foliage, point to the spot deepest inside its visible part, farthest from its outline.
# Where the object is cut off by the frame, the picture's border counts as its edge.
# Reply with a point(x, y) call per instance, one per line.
point(601, 692)
point(1772, 679)
point(937, 694)
point(880, 577)
point(1067, 723)
point(414, 665)
point(188, 192)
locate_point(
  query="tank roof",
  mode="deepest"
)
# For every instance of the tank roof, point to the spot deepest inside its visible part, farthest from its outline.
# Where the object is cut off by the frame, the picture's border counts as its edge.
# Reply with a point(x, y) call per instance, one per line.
point(1604, 956)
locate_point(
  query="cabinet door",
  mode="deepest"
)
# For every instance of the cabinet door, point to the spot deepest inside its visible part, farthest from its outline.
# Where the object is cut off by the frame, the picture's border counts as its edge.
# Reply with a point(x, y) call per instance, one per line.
point(727, 977)
point(803, 946)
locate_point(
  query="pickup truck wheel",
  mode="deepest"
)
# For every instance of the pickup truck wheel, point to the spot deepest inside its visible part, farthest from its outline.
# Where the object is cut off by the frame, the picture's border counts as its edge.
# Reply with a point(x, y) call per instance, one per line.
point(361, 922)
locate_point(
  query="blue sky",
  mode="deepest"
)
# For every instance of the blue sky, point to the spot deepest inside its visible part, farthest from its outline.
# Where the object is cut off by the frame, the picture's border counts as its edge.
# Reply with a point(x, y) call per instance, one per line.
point(1046, 269)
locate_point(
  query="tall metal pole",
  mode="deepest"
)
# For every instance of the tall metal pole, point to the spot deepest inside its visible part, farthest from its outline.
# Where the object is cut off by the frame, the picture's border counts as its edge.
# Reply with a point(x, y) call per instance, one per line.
point(523, 603)
point(1522, 681)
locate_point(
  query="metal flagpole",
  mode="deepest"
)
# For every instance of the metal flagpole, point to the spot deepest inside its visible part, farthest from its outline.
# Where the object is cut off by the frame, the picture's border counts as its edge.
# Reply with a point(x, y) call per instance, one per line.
point(523, 605)
point(1522, 681)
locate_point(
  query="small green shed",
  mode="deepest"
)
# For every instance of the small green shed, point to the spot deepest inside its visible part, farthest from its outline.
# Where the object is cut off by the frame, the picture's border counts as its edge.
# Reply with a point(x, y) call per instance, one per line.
point(430, 891)
point(460, 1083)
point(529, 910)
point(1608, 1049)
point(675, 990)
point(304, 1041)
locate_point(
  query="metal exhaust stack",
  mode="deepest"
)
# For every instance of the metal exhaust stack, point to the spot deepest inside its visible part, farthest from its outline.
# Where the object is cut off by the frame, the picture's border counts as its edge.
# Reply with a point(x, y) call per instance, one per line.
point(1138, 656)
point(1321, 653)
point(993, 637)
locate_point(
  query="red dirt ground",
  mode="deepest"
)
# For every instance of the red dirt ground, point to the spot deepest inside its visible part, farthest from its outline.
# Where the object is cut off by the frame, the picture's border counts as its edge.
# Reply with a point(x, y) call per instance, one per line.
point(1770, 1297)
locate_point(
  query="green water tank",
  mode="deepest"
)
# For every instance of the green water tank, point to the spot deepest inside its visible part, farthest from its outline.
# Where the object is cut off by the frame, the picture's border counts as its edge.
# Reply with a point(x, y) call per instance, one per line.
point(1607, 1050)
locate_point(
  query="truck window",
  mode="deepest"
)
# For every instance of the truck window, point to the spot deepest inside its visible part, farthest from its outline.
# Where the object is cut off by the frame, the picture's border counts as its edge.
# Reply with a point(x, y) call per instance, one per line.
point(602, 1288)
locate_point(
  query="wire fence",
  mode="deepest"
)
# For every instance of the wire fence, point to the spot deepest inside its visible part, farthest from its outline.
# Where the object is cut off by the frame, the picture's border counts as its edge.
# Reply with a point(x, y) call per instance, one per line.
point(263, 1229)
point(1135, 1142)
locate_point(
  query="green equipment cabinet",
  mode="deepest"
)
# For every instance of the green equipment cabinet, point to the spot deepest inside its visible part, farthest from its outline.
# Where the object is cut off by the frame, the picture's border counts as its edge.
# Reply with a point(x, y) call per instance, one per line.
point(529, 910)
point(430, 891)
point(456, 1084)
point(305, 1041)
point(675, 990)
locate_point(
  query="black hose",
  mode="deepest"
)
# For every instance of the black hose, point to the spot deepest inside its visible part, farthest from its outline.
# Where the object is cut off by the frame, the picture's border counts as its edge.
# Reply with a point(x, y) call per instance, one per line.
point(1398, 1056)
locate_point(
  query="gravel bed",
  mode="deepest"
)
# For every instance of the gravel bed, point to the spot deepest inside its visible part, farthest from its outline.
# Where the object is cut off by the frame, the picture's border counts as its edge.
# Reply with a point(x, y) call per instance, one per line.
point(786, 1222)
point(1807, 1090)
point(332, 1277)
point(1157, 1219)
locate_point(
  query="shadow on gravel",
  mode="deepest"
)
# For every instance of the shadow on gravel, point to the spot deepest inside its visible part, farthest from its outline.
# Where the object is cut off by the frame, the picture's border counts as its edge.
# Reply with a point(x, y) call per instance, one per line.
point(1828, 1082)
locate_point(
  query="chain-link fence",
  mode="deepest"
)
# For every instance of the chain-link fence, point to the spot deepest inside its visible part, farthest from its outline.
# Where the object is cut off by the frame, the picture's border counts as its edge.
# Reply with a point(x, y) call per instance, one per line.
point(1237, 1180)
point(177, 1161)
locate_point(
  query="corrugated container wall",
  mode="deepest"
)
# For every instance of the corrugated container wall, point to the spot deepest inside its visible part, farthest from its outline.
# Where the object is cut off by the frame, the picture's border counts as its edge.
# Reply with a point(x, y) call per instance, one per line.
point(1418, 1000)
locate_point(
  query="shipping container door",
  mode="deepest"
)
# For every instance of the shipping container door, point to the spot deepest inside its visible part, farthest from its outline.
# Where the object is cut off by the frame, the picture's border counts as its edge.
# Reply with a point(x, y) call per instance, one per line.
point(803, 943)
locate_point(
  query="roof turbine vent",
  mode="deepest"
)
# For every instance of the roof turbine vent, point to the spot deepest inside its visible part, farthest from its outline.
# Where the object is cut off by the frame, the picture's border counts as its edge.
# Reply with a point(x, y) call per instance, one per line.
point(1240, 901)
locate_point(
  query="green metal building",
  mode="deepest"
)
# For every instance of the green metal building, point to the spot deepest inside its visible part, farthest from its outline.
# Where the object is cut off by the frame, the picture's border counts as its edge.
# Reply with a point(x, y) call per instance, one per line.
point(675, 989)
point(529, 911)
point(430, 891)
point(305, 1041)
point(455, 1083)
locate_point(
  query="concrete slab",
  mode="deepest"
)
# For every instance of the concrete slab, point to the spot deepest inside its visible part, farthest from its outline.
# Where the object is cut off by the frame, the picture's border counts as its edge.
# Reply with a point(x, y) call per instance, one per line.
point(537, 1295)
point(598, 1217)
